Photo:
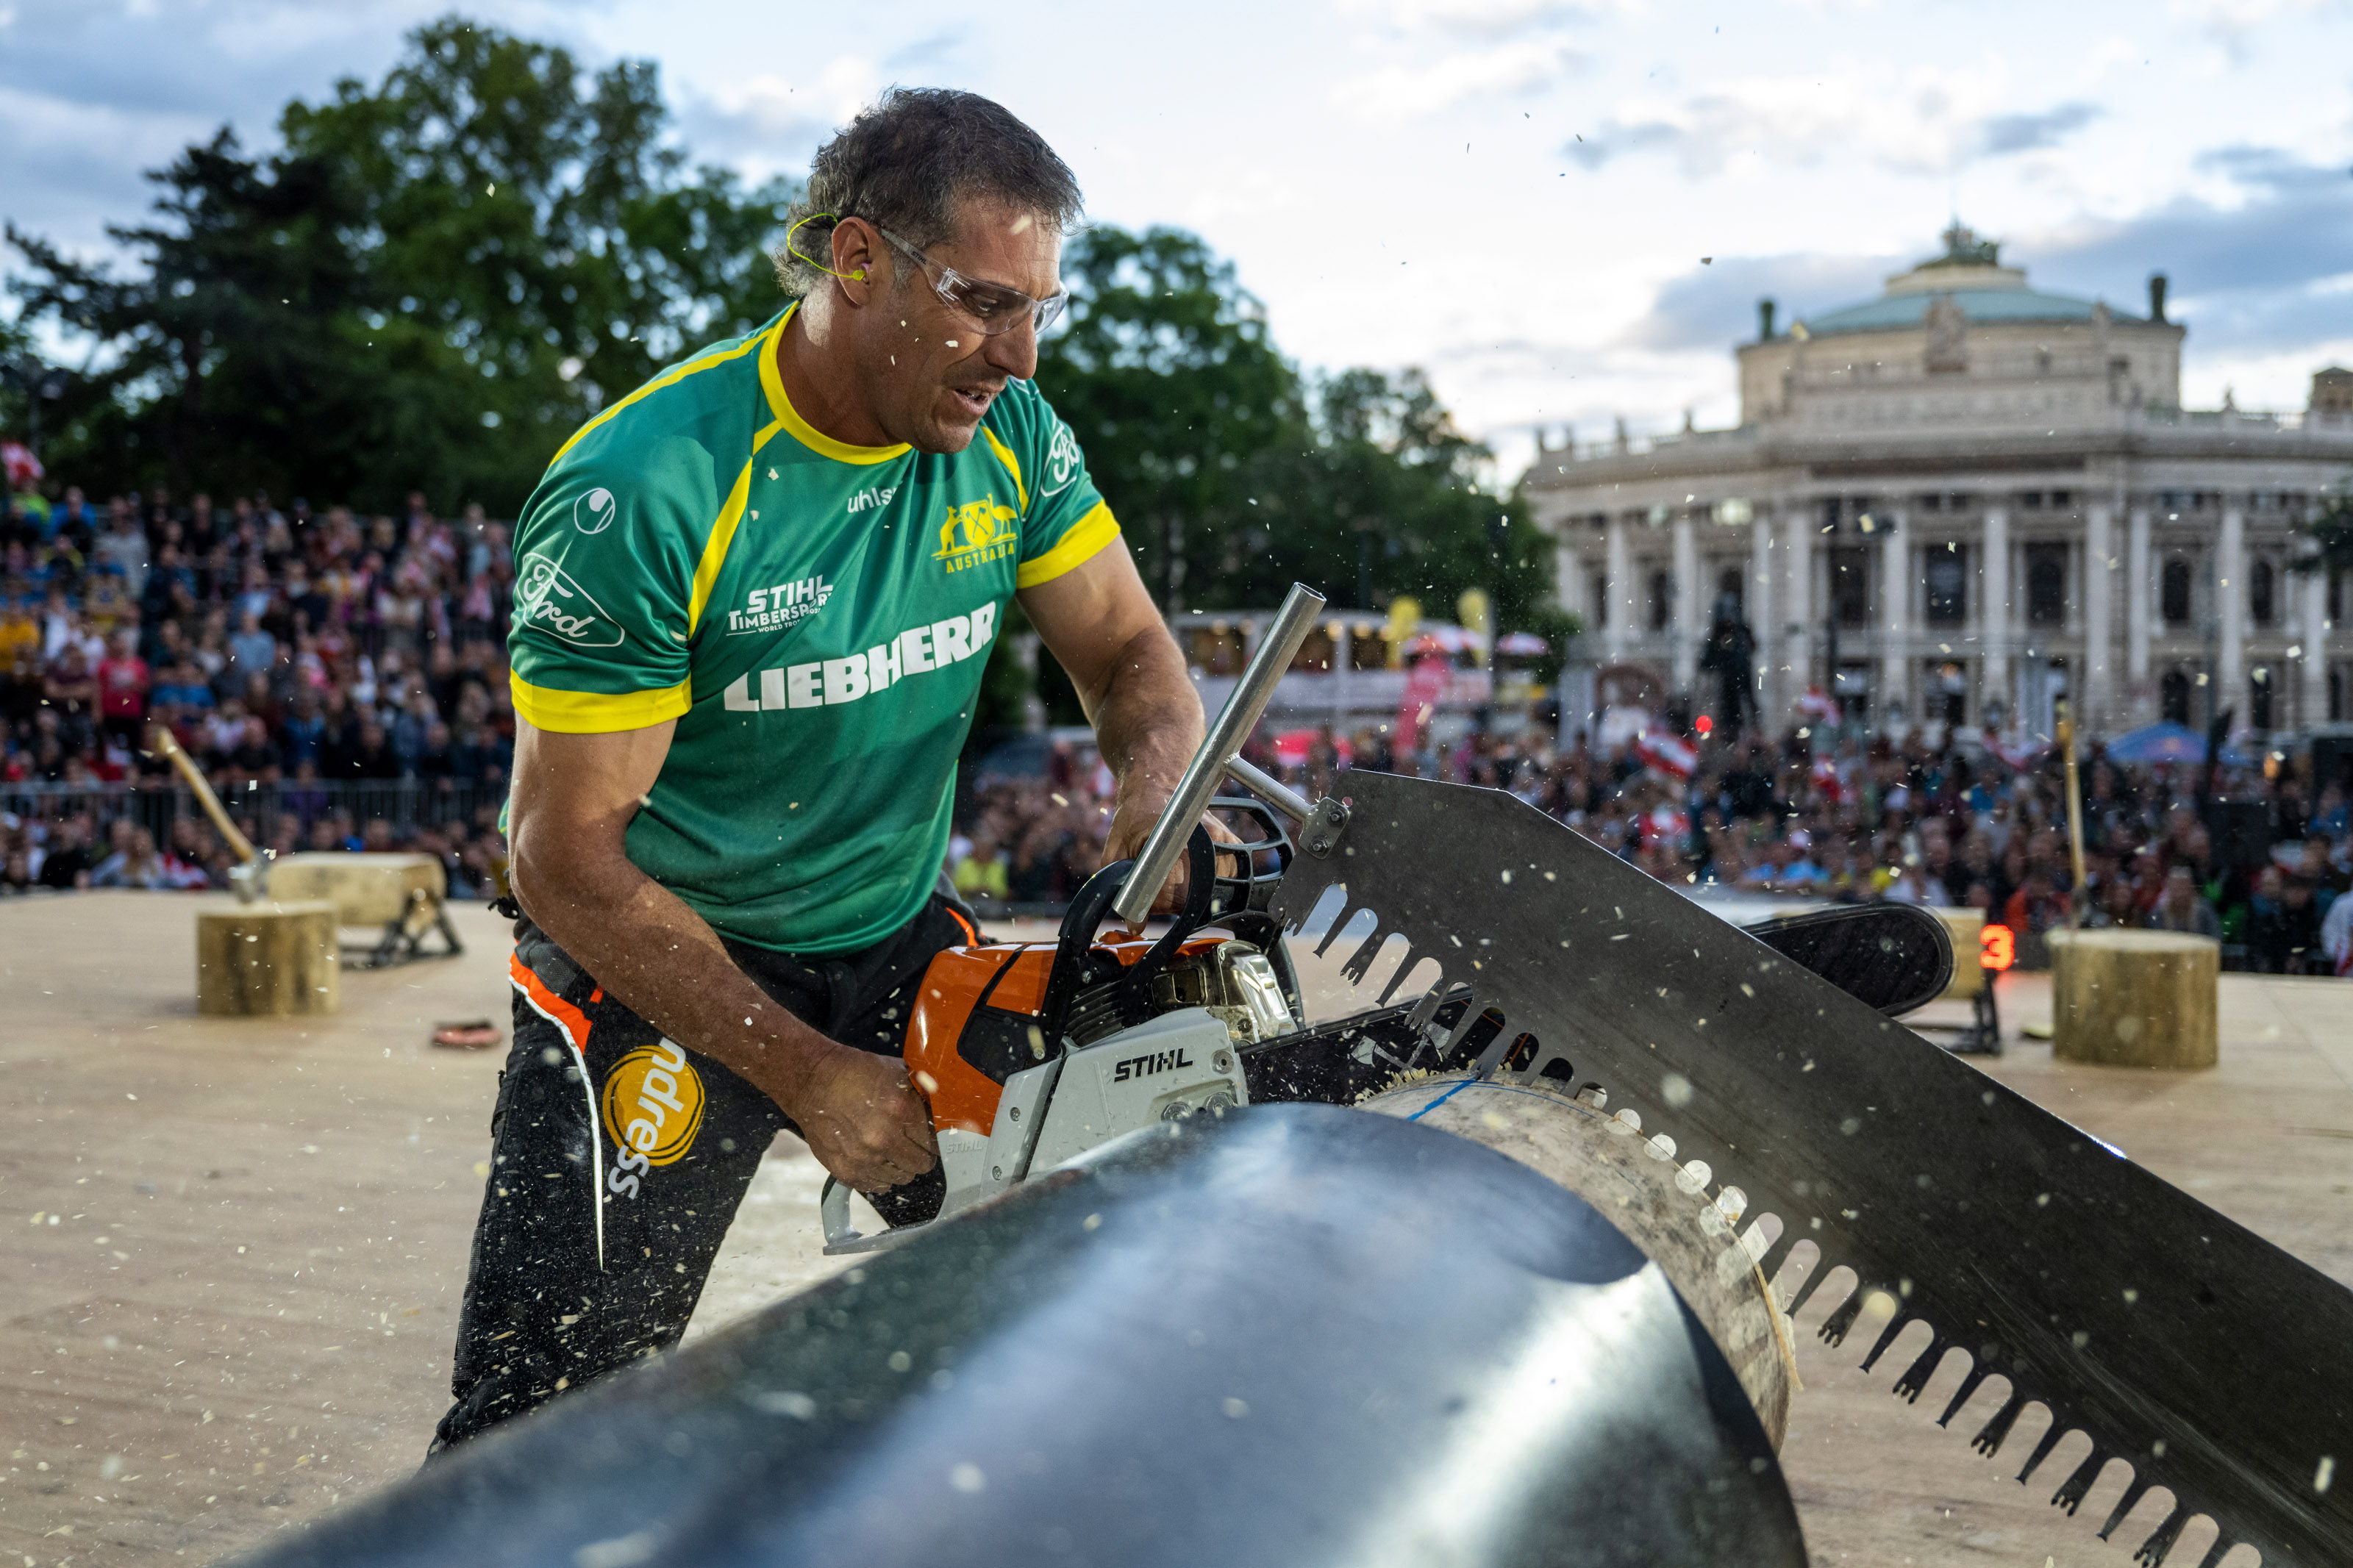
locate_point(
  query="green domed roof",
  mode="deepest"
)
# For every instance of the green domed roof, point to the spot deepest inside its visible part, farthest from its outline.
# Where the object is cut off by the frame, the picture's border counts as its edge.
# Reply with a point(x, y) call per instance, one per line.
point(1970, 274)
point(1894, 313)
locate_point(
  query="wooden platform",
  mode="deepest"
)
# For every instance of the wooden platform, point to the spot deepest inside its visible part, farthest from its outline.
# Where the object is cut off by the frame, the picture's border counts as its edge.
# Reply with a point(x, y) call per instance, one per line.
point(245, 1311)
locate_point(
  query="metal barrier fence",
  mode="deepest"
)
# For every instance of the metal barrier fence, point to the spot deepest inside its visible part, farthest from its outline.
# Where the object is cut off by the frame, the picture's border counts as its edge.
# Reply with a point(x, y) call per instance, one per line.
point(408, 804)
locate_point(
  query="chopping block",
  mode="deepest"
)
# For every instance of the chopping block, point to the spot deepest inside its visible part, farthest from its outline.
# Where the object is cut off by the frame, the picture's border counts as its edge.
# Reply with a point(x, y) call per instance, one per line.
point(2134, 998)
point(400, 895)
point(267, 959)
point(1962, 926)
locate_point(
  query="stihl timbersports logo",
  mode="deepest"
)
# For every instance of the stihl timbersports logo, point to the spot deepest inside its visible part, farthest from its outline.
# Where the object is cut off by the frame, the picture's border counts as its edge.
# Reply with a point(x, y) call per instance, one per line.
point(976, 533)
point(785, 604)
point(653, 1107)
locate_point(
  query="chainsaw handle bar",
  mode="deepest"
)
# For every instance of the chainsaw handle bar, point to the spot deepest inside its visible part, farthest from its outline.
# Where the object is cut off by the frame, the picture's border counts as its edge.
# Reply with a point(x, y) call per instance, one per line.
point(1203, 775)
point(1093, 901)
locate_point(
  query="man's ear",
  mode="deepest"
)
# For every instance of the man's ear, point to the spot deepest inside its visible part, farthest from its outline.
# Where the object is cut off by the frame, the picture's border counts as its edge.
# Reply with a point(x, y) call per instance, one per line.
point(854, 258)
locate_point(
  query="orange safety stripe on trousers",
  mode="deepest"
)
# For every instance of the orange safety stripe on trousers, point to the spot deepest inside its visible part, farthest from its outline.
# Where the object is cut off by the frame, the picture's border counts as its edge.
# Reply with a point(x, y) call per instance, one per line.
point(575, 1025)
point(562, 1013)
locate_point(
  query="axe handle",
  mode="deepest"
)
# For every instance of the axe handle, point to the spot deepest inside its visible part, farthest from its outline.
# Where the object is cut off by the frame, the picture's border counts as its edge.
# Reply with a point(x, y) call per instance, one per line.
point(2076, 913)
point(169, 745)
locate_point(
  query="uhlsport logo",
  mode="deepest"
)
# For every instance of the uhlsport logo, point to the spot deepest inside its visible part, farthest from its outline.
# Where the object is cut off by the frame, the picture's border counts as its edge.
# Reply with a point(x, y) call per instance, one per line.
point(653, 1107)
point(551, 599)
point(785, 604)
point(976, 533)
point(593, 512)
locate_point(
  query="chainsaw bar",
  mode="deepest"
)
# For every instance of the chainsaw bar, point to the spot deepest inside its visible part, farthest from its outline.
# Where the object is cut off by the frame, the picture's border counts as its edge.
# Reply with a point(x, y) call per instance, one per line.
point(2210, 1360)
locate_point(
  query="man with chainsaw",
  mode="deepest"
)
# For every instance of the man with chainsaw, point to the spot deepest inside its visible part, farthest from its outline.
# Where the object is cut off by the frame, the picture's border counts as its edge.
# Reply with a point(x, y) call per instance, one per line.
point(753, 601)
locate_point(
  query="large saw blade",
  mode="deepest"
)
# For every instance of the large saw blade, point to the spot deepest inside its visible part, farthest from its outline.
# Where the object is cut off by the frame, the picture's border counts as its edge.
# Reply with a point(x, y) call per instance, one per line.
point(2217, 1365)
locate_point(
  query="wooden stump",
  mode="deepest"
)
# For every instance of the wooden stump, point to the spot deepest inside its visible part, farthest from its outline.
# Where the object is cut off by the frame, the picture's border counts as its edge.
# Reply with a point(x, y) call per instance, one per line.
point(2134, 998)
point(269, 959)
point(367, 890)
point(1660, 1206)
point(1962, 925)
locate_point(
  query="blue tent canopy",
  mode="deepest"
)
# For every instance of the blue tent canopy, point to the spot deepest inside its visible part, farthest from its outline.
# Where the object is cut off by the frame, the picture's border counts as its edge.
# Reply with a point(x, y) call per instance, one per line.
point(2169, 743)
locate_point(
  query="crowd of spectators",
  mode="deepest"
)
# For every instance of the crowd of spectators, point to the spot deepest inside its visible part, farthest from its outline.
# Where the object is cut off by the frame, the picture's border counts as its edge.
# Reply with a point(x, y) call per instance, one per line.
point(342, 679)
point(1959, 821)
point(322, 666)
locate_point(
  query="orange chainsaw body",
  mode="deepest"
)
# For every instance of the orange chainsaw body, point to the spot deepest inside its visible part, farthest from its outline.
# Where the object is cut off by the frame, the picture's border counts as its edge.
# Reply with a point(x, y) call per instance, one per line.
point(992, 986)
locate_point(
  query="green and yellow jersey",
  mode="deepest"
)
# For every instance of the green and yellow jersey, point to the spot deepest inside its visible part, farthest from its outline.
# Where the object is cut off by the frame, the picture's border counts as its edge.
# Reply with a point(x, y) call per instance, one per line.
point(815, 615)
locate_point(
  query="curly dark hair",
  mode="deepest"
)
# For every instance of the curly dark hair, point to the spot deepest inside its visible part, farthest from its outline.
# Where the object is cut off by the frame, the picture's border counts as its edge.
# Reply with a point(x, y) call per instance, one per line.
point(906, 161)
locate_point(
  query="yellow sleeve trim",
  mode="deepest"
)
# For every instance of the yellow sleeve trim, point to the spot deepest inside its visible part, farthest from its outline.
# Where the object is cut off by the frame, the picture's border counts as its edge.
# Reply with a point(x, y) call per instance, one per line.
point(1086, 538)
point(673, 379)
point(1012, 465)
point(594, 713)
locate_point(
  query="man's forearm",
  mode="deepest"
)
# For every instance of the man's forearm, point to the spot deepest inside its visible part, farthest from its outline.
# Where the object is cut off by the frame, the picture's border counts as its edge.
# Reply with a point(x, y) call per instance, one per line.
point(1147, 718)
point(666, 964)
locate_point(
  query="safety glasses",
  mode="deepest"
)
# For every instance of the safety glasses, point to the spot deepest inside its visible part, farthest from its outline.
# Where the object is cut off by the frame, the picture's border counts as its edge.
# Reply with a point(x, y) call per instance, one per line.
point(991, 307)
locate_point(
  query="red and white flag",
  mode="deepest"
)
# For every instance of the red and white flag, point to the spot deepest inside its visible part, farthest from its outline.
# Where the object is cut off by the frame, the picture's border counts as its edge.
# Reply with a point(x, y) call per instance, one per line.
point(1666, 824)
point(1667, 752)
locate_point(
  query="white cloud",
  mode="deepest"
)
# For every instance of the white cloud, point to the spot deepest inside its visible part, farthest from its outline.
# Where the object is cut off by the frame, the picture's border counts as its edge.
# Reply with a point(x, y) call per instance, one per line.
point(1490, 18)
point(1926, 121)
point(769, 123)
point(1414, 90)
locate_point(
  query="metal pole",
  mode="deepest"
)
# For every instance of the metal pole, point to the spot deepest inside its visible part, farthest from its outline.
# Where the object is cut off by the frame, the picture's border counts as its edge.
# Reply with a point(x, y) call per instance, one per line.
point(1277, 793)
point(1248, 698)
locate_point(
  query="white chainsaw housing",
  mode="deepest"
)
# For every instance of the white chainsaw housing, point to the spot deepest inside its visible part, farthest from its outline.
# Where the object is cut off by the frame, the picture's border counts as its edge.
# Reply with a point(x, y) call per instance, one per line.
point(1168, 1067)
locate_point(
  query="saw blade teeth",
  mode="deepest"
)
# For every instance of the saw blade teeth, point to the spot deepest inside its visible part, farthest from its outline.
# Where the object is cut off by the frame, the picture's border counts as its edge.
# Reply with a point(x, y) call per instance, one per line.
point(1996, 1431)
point(1816, 1277)
point(1973, 1380)
point(2154, 1551)
point(1360, 964)
point(2135, 1490)
point(1426, 1009)
point(1407, 959)
point(2058, 1429)
point(2079, 1482)
point(1841, 1318)
point(1908, 1387)
point(1887, 1336)
point(1341, 919)
point(2216, 1552)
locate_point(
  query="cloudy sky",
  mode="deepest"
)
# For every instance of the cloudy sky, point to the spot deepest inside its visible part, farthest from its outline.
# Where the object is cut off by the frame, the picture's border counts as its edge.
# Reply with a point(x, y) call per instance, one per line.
point(1566, 212)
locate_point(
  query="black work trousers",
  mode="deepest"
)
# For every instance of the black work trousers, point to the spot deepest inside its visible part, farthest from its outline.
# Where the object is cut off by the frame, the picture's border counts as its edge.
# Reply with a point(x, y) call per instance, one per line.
point(619, 1158)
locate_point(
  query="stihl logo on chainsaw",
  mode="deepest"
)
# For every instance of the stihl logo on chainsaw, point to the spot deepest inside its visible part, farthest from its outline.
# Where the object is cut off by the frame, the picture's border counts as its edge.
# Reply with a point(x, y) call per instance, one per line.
point(1146, 1065)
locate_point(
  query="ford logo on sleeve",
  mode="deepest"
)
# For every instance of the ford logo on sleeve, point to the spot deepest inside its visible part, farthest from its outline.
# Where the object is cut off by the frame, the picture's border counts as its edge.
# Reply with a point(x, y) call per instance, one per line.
point(550, 600)
point(593, 512)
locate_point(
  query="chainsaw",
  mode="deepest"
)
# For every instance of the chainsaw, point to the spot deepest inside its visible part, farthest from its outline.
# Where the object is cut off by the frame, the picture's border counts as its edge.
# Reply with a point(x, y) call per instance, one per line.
point(1769, 1063)
point(1031, 1053)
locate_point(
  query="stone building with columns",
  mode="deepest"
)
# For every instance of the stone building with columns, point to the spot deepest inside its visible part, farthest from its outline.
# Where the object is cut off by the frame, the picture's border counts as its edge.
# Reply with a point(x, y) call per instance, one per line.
point(1956, 503)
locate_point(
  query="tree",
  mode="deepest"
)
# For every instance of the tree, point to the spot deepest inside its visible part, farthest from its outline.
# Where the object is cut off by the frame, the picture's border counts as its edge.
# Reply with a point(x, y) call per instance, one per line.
point(1172, 384)
point(429, 285)
point(1235, 475)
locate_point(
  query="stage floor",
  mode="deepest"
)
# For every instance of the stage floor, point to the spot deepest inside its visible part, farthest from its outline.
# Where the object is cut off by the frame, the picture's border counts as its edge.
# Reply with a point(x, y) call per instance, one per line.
point(243, 1311)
